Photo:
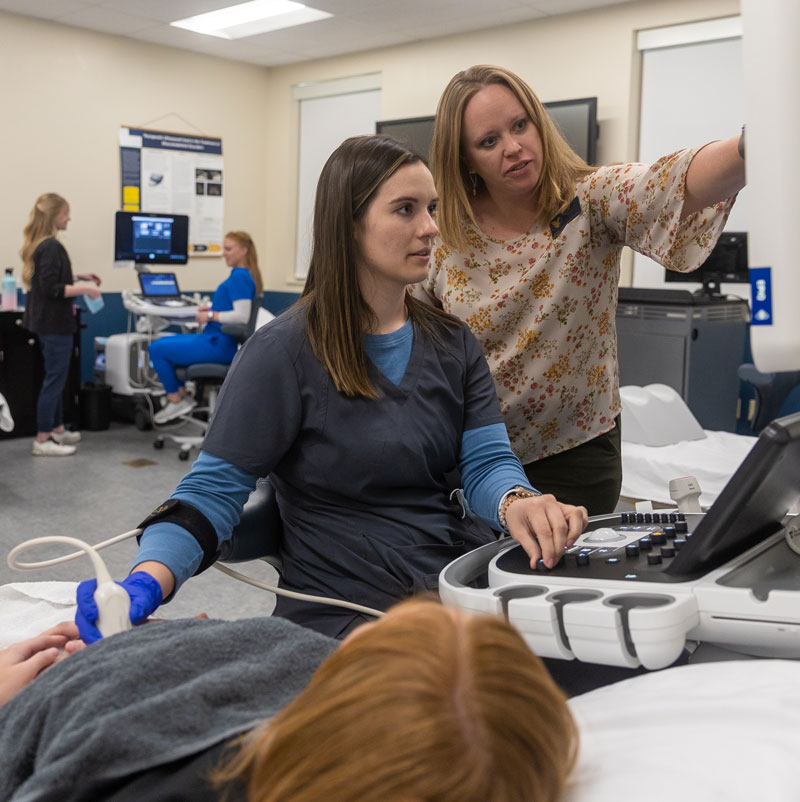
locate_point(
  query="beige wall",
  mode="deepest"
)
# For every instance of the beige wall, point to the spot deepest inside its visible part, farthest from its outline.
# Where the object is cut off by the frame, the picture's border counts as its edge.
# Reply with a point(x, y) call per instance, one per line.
point(66, 92)
point(575, 55)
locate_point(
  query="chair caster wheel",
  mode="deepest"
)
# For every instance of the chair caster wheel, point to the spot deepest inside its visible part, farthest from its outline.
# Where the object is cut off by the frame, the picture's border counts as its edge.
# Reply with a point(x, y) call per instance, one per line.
point(158, 444)
point(183, 456)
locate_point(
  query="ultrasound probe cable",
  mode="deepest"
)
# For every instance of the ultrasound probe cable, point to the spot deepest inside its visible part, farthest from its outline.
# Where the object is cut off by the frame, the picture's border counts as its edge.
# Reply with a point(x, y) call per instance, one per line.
point(113, 609)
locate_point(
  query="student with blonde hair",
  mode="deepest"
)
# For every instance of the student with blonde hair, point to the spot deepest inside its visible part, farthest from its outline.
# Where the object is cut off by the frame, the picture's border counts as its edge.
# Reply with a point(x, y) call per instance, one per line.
point(232, 303)
point(428, 703)
point(47, 275)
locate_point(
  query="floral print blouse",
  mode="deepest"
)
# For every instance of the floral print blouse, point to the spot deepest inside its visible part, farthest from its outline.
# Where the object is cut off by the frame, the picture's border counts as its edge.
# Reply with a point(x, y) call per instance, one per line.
point(543, 306)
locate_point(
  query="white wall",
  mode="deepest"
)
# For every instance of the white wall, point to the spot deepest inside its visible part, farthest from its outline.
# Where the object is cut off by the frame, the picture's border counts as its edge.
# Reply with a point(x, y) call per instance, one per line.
point(66, 91)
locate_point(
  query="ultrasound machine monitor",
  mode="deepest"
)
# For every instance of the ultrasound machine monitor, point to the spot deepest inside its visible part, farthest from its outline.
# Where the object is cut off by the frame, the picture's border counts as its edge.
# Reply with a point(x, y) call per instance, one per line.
point(161, 289)
point(150, 238)
point(159, 286)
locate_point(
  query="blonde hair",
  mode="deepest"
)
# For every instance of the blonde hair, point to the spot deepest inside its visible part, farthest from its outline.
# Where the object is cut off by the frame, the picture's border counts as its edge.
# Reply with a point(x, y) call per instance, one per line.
point(561, 166)
point(244, 240)
point(426, 704)
point(41, 225)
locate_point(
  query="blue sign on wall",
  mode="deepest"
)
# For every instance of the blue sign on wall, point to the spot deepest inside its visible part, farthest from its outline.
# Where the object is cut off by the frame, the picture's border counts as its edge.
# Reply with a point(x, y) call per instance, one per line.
point(761, 290)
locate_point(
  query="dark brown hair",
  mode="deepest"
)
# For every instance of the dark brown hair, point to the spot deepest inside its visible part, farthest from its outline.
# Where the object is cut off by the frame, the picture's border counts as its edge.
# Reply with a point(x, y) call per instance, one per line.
point(337, 313)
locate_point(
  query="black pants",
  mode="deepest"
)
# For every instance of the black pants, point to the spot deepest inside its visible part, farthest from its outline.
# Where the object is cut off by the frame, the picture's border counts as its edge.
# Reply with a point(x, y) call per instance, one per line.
point(589, 474)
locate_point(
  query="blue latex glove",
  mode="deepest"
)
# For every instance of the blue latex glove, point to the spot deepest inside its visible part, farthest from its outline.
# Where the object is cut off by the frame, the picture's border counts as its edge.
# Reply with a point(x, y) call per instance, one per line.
point(145, 593)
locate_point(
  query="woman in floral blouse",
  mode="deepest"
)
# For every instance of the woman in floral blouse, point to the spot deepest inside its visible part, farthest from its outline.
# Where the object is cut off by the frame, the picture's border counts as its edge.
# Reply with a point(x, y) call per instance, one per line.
point(529, 255)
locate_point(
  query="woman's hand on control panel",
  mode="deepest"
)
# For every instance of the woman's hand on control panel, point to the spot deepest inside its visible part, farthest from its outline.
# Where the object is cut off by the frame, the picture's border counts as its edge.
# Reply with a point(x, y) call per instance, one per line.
point(543, 526)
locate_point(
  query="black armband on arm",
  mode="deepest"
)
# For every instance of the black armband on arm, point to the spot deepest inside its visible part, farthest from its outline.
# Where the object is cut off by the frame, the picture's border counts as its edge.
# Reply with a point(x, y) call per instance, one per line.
point(175, 511)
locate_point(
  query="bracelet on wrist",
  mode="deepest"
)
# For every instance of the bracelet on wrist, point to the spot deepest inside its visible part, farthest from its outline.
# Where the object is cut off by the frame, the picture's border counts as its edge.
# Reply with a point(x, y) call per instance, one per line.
point(515, 494)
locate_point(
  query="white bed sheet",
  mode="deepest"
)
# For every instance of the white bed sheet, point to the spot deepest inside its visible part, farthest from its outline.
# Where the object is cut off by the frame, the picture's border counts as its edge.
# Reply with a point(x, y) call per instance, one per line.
point(28, 608)
point(699, 733)
point(647, 470)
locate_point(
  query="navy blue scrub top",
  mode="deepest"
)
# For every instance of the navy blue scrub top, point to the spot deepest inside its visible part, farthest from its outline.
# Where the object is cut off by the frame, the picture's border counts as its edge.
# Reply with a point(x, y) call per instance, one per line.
point(362, 484)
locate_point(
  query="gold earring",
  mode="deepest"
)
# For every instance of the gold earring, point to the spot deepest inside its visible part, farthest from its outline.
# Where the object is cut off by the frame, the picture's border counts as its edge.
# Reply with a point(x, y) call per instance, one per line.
point(474, 180)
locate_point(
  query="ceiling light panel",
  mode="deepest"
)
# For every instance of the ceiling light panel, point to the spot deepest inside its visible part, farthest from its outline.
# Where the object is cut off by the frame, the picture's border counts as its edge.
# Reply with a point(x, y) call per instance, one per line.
point(249, 19)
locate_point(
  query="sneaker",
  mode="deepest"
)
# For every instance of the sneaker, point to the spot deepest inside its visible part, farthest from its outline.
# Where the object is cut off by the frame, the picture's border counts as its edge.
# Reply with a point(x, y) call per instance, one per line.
point(174, 410)
point(50, 448)
point(66, 437)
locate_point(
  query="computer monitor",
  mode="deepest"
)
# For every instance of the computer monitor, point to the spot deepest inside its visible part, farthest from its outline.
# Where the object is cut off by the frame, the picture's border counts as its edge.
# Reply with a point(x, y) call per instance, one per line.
point(727, 262)
point(575, 119)
point(151, 238)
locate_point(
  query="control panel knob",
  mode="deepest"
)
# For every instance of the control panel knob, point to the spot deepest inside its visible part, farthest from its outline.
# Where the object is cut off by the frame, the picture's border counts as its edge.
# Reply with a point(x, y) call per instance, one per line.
point(667, 551)
point(653, 559)
point(582, 558)
point(681, 526)
point(658, 538)
point(632, 550)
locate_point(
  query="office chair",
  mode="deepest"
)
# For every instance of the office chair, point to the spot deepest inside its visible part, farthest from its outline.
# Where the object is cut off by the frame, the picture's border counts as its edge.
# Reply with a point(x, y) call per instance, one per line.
point(771, 389)
point(207, 378)
point(257, 536)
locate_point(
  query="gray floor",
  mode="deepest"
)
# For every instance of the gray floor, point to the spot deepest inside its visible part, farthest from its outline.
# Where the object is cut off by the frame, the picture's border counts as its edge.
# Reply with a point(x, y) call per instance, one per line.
point(115, 479)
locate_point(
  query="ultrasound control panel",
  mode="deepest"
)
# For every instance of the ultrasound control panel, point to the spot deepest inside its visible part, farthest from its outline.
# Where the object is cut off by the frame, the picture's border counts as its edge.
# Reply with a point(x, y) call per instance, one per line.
point(630, 546)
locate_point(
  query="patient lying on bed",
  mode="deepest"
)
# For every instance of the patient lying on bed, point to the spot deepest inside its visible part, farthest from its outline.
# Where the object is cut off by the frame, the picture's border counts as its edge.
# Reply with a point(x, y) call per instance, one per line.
point(426, 703)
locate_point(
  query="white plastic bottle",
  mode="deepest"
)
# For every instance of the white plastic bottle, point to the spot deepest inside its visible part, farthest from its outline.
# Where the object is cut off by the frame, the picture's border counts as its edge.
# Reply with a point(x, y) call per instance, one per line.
point(9, 290)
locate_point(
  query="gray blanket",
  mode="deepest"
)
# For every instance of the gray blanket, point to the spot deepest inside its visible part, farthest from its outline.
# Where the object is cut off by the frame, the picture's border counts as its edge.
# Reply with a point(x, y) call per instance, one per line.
point(150, 696)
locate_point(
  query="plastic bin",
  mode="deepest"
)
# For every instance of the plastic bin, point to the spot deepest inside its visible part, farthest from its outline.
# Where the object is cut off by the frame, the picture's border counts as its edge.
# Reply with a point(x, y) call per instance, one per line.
point(95, 406)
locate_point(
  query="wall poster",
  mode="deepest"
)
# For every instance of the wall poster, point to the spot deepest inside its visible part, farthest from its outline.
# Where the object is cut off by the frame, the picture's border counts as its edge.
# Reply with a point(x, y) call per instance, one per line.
point(179, 174)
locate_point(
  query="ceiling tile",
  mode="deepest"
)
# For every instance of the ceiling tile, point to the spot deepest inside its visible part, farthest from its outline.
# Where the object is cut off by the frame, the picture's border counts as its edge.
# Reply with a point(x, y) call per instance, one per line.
point(106, 20)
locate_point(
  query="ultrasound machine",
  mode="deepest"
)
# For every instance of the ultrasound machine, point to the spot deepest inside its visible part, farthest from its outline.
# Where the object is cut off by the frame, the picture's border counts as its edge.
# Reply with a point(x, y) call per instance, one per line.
point(146, 240)
point(637, 588)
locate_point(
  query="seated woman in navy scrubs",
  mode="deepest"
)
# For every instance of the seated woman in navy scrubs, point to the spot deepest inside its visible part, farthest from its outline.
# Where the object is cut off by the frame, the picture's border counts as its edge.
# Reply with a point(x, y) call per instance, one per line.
point(231, 304)
point(366, 408)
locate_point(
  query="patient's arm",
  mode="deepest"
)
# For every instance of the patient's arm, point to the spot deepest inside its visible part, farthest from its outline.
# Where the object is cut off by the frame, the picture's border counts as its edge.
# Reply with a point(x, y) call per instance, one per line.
point(22, 662)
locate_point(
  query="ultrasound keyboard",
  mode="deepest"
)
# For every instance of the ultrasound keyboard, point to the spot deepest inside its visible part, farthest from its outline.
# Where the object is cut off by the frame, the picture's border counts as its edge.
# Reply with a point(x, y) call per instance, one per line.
point(630, 546)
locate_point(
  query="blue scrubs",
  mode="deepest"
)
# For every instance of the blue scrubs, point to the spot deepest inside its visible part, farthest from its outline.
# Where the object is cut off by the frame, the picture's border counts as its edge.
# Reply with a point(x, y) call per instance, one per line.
point(211, 345)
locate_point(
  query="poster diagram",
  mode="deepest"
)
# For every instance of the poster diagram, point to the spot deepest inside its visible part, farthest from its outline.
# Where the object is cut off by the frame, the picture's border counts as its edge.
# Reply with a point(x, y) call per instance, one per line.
point(176, 173)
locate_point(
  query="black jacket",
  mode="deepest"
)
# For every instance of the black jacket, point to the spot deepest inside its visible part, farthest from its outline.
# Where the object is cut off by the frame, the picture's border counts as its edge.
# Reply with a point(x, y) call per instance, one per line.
point(47, 311)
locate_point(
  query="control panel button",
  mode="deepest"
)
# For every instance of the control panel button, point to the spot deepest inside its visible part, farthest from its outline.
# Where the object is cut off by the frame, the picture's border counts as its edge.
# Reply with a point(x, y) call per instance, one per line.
point(658, 538)
point(653, 558)
point(632, 550)
point(678, 543)
point(667, 551)
point(583, 558)
point(681, 526)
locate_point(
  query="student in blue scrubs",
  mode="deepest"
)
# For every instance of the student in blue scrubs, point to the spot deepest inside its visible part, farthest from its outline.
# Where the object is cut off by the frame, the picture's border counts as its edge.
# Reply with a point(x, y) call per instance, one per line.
point(231, 304)
point(366, 408)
